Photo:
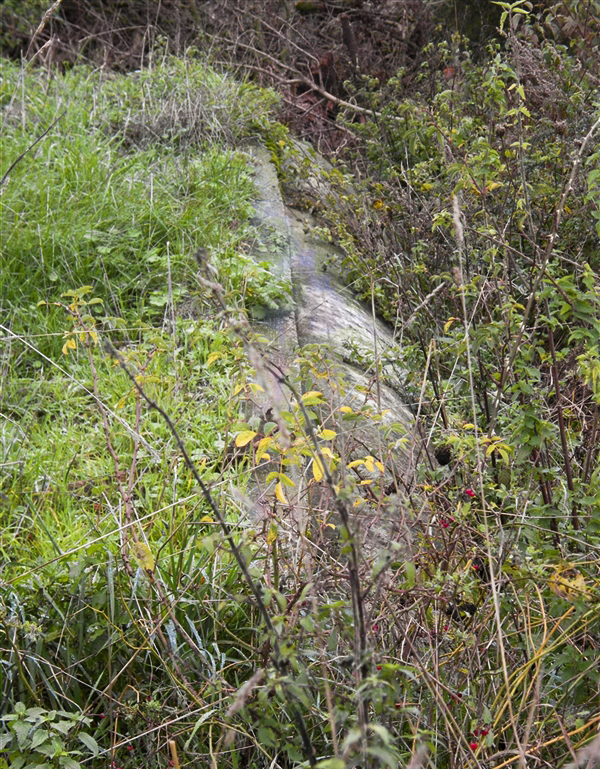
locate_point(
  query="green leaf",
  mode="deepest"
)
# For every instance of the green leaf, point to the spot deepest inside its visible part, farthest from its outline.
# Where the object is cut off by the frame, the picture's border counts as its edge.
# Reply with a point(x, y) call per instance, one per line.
point(39, 737)
point(197, 725)
point(64, 727)
point(308, 624)
point(266, 736)
point(89, 742)
point(5, 739)
point(21, 729)
point(69, 763)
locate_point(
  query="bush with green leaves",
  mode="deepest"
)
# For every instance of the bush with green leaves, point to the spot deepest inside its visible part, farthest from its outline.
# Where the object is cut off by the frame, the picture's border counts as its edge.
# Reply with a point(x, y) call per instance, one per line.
point(42, 739)
point(475, 233)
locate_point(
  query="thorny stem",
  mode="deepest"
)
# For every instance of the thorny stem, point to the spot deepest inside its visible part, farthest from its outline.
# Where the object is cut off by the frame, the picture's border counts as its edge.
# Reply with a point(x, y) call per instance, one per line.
point(561, 425)
point(494, 587)
point(360, 636)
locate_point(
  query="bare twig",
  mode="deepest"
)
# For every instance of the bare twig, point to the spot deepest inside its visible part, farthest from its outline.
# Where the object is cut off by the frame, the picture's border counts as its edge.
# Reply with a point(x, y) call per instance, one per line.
point(31, 146)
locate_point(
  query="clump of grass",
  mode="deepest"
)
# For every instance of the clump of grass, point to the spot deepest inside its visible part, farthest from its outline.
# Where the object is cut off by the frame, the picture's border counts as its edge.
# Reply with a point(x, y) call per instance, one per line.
point(82, 208)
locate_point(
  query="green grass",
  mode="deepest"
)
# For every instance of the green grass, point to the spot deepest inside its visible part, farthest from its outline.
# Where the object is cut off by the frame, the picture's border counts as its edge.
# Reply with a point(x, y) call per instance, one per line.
point(137, 174)
point(98, 203)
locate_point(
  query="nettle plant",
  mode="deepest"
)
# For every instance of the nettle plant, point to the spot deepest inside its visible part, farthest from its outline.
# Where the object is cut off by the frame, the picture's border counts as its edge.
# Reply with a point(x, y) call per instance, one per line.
point(45, 739)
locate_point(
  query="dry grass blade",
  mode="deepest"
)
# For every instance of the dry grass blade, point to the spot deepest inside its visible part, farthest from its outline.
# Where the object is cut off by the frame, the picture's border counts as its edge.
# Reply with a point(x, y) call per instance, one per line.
point(42, 24)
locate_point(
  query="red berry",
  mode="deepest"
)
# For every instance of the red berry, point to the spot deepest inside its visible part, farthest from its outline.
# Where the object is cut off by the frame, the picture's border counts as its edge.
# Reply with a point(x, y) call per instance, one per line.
point(469, 492)
point(485, 732)
point(378, 667)
point(130, 748)
point(473, 745)
point(375, 628)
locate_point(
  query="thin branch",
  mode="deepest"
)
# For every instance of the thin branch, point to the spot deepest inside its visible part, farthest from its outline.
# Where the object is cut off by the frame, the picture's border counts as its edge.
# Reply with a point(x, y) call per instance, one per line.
point(31, 146)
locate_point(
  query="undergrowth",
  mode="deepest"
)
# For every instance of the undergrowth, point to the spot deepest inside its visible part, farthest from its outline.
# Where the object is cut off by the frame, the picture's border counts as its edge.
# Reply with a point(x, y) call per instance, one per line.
point(183, 585)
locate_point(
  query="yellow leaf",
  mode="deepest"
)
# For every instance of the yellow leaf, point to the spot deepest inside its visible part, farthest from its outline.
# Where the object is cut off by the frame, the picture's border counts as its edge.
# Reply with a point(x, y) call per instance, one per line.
point(468, 426)
point(206, 519)
point(213, 357)
point(327, 452)
point(346, 410)
point(279, 493)
point(70, 344)
point(357, 502)
point(243, 439)
point(355, 463)
point(327, 435)
point(143, 555)
point(568, 583)
point(379, 466)
point(272, 535)
point(263, 456)
point(285, 480)
point(311, 394)
point(317, 469)
point(448, 323)
point(263, 445)
point(366, 482)
point(94, 336)
point(370, 464)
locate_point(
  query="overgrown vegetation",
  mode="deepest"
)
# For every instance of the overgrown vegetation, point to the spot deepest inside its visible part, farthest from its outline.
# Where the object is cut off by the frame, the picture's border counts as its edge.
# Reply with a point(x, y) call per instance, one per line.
point(155, 608)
